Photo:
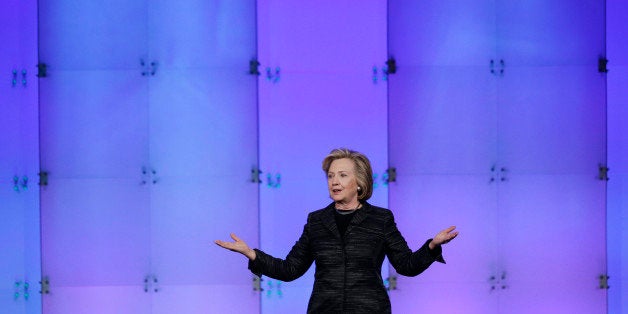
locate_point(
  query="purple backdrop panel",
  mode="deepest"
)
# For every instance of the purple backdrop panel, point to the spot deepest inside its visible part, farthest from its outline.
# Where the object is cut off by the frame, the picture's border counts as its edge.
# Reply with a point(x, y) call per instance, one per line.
point(618, 189)
point(550, 32)
point(19, 157)
point(322, 36)
point(10, 39)
point(442, 32)
point(187, 215)
point(93, 35)
point(98, 300)
point(617, 115)
point(10, 124)
point(616, 241)
point(18, 20)
point(617, 53)
point(285, 300)
point(95, 232)
point(552, 120)
point(549, 296)
point(534, 210)
point(424, 205)
point(197, 33)
point(19, 141)
point(100, 131)
point(418, 296)
point(32, 242)
point(303, 117)
point(435, 111)
point(203, 123)
point(225, 298)
point(616, 33)
point(13, 248)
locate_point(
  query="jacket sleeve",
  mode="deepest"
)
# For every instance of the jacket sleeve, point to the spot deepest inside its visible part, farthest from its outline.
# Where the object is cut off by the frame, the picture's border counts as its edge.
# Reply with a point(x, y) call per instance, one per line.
point(296, 263)
point(405, 261)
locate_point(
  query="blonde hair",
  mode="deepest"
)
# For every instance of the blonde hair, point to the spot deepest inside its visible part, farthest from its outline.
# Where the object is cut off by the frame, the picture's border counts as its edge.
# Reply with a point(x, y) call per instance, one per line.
point(363, 170)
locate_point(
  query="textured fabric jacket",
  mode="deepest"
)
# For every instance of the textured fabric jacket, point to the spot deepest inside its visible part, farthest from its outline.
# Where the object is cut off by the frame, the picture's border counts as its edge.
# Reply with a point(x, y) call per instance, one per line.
point(348, 272)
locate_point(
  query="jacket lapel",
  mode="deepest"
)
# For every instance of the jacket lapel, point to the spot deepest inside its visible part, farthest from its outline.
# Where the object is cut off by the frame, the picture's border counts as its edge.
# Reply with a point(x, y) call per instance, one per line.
point(329, 221)
point(360, 215)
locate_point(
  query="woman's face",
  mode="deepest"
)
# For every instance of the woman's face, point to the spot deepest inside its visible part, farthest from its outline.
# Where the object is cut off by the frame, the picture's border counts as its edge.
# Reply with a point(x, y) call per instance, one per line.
point(342, 182)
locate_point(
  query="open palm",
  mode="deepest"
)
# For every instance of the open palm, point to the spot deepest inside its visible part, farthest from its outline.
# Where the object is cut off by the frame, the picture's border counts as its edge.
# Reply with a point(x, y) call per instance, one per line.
point(237, 246)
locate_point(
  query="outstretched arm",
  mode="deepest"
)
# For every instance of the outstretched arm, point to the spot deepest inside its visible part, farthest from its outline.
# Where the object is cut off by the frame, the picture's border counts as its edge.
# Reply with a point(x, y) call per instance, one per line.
point(410, 263)
point(292, 267)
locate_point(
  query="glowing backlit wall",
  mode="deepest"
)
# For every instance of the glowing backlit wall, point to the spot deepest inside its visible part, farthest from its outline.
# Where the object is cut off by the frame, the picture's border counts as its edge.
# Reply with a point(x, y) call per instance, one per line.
point(499, 128)
point(152, 129)
point(617, 235)
point(149, 123)
point(19, 159)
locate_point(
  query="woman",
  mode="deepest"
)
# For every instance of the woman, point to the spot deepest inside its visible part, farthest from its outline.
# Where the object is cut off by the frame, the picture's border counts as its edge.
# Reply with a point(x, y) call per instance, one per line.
point(348, 240)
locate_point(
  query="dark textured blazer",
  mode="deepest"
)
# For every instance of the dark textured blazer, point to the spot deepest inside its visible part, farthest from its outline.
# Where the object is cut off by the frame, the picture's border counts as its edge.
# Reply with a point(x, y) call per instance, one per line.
point(348, 271)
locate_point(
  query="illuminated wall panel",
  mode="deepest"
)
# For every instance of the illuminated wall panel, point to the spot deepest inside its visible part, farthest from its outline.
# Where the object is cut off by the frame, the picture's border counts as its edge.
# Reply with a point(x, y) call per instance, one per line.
point(464, 119)
point(552, 276)
point(538, 33)
point(551, 127)
point(529, 132)
point(446, 34)
point(94, 35)
point(552, 120)
point(443, 133)
point(431, 202)
point(95, 124)
point(20, 267)
point(150, 137)
point(617, 217)
point(94, 146)
point(203, 146)
point(325, 97)
point(98, 300)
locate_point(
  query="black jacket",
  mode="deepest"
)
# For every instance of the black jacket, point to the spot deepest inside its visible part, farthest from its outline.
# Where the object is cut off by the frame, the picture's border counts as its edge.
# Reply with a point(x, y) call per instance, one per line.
point(348, 271)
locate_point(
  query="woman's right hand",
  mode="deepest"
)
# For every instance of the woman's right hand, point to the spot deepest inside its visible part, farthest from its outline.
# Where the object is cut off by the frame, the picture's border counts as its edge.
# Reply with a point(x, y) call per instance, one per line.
point(237, 246)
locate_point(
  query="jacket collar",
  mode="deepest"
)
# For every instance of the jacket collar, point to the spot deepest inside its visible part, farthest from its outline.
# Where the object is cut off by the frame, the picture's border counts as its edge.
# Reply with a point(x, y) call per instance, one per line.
point(330, 222)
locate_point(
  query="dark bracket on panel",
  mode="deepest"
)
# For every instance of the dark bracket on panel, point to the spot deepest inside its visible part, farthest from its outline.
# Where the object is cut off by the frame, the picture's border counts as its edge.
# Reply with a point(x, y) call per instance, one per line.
point(602, 64)
point(254, 67)
point(42, 70)
point(43, 178)
point(391, 66)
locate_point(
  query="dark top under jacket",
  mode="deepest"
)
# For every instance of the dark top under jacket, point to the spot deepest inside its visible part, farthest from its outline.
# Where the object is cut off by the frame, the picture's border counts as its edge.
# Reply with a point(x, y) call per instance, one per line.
point(348, 269)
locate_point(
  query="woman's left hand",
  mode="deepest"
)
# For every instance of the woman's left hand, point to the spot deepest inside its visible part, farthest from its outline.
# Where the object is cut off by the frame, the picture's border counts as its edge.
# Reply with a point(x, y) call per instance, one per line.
point(443, 237)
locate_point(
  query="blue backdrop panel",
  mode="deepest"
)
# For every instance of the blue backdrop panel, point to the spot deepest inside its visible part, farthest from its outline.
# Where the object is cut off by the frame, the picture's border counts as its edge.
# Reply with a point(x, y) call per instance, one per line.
point(201, 34)
point(541, 33)
point(91, 35)
point(94, 124)
point(439, 108)
point(617, 239)
point(552, 120)
point(545, 221)
point(20, 268)
point(442, 33)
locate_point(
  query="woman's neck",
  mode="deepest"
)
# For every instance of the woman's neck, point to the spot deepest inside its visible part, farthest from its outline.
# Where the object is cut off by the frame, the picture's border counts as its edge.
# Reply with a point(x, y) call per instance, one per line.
point(353, 205)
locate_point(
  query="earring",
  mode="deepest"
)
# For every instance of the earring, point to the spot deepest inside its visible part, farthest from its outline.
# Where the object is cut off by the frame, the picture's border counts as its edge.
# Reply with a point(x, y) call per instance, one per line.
point(359, 188)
